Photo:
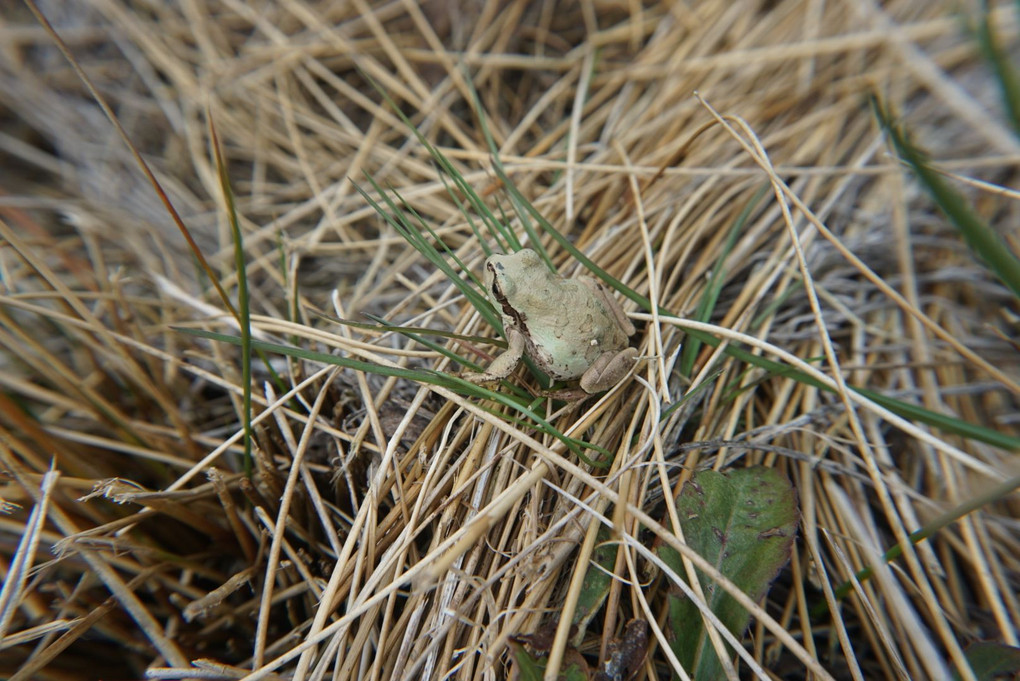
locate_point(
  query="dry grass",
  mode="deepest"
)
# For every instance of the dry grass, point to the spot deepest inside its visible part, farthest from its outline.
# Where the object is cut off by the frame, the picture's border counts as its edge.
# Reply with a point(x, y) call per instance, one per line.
point(399, 530)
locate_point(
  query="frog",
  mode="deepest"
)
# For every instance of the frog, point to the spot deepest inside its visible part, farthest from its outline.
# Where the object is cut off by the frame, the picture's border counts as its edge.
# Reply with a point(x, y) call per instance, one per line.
point(570, 328)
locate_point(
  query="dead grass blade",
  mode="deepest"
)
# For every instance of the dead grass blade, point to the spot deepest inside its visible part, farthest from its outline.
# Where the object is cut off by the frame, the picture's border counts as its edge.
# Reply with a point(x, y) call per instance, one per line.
point(397, 522)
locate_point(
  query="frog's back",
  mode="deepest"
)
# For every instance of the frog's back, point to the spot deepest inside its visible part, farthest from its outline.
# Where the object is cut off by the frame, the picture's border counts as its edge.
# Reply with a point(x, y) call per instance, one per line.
point(566, 339)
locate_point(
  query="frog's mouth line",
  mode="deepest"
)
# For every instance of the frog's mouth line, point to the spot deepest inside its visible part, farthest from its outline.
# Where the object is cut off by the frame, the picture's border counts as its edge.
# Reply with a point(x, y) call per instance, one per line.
point(520, 320)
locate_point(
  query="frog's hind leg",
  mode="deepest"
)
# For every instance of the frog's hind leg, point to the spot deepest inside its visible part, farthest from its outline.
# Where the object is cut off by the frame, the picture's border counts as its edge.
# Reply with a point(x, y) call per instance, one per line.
point(607, 370)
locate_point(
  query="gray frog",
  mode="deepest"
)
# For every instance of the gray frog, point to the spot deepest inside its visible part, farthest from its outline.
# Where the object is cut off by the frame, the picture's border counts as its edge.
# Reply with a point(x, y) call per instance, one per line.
point(570, 328)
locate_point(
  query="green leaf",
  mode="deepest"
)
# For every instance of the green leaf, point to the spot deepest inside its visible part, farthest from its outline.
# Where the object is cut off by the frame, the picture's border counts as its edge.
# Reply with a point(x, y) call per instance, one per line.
point(744, 523)
point(992, 661)
point(531, 668)
point(597, 581)
point(528, 668)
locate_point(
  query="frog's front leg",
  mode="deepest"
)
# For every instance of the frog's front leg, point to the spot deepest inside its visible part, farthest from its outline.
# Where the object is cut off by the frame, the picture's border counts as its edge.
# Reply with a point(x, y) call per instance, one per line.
point(607, 370)
point(503, 364)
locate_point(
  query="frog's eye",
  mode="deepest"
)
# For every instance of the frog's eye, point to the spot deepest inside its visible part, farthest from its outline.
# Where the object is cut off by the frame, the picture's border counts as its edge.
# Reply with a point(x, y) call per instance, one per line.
point(503, 287)
point(498, 282)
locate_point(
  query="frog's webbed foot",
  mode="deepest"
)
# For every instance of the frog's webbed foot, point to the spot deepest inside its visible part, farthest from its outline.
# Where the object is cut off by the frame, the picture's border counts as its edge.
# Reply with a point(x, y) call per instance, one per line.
point(607, 370)
point(504, 364)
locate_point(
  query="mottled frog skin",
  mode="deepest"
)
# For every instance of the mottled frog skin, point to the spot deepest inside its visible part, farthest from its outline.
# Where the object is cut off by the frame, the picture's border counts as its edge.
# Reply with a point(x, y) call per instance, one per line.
point(571, 328)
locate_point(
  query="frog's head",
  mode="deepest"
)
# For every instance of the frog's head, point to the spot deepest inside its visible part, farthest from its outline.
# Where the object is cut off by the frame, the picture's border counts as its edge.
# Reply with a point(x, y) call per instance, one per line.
point(506, 274)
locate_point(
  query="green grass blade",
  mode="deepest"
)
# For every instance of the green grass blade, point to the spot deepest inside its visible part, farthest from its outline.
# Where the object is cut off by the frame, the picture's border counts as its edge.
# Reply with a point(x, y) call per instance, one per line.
point(942, 422)
point(715, 283)
point(997, 493)
point(570, 248)
point(243, 302)
point(982, 239)
point(998, 59)
point(691, 394)
point(396, 218)
point(476, 202)
point(499, 235)
point(437, 378)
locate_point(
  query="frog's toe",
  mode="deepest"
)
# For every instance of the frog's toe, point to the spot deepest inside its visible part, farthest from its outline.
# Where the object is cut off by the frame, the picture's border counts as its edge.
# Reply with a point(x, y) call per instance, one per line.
point(607, 370)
